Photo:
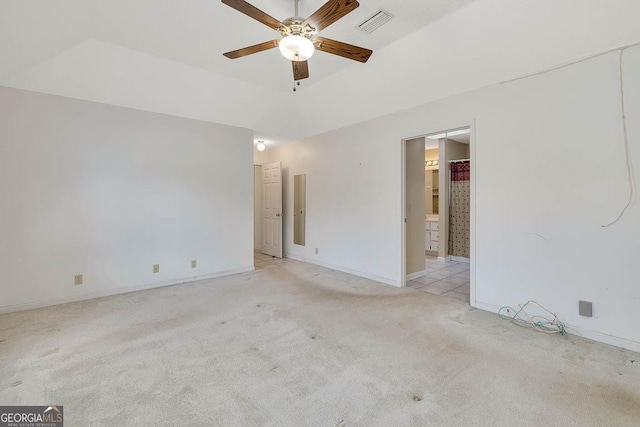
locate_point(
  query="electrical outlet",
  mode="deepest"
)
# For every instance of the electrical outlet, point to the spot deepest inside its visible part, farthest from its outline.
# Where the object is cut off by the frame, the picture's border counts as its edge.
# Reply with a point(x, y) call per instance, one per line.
point(77, 279)
point(316, 251)
point(156, 268)
point(585, 308)
point(194, 263)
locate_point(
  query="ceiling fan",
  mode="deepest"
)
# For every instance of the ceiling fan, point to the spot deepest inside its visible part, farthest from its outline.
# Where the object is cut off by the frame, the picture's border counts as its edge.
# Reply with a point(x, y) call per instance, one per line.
point(299, 36)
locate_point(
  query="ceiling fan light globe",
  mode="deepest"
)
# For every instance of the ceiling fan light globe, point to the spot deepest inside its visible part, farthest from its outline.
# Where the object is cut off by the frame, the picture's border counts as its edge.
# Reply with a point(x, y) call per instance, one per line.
point(260, 146)
point(296, 48)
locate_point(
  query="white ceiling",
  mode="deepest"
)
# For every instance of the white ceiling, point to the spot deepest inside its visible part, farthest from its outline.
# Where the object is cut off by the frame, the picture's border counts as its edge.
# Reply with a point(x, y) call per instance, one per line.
point(166, 55)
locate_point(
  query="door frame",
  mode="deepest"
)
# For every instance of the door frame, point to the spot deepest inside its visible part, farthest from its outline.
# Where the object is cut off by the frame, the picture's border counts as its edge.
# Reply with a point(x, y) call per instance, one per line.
point(471, 124)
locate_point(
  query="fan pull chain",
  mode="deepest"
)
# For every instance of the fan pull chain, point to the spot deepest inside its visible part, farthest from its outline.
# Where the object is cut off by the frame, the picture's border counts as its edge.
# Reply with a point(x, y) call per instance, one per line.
point(295, 83)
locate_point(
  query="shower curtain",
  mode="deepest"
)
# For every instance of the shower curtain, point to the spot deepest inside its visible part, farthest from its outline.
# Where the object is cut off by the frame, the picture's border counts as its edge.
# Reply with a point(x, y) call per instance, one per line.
point(460, 209)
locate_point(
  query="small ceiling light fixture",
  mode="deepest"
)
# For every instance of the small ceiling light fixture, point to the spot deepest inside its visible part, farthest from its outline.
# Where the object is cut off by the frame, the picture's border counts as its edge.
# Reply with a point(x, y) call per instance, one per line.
point(260, 146)
point(296, 48)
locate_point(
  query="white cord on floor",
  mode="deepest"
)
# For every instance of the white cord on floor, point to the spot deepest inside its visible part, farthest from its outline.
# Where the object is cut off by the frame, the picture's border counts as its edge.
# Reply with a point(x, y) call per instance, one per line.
point(548, 325)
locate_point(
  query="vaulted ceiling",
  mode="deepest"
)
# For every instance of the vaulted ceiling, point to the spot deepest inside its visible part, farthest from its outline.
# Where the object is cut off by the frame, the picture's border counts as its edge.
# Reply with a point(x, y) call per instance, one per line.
point(166, 55)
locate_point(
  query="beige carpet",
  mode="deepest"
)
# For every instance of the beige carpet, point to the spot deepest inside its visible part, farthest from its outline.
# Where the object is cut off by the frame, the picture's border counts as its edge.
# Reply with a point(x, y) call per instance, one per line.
point(301, 345)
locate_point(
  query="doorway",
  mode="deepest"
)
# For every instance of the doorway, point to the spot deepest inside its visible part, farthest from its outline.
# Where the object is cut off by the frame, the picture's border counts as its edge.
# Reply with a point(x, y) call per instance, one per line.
point(438, 208)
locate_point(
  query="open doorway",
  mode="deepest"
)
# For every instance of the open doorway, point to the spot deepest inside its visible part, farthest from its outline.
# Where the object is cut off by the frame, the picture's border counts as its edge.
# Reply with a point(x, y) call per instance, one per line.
point(437, 213)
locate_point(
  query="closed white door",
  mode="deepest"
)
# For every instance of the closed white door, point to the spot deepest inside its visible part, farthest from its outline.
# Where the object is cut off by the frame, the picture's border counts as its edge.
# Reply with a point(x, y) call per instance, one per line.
point(272, 209)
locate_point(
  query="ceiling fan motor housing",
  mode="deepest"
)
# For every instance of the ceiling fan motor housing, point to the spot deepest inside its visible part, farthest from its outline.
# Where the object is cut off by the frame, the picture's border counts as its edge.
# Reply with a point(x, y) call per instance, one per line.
point(294, 27)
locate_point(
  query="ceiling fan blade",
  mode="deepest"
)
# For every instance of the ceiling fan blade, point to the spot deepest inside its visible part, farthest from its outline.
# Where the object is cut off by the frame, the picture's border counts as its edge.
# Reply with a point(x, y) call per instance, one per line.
point(234, 54)
point(345, 50)
point(330, 12)
point(255, 13)
point(300, 70)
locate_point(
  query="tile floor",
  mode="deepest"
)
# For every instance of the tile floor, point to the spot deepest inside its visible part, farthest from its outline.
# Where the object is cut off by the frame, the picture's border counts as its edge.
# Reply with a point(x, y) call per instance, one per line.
point(448, 279)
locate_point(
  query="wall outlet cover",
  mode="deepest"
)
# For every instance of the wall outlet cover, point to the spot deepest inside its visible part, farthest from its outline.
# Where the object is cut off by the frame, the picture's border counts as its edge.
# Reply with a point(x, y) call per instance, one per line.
point(194, 263)
point(77, 279)
point(585, 308)
point(156, 268)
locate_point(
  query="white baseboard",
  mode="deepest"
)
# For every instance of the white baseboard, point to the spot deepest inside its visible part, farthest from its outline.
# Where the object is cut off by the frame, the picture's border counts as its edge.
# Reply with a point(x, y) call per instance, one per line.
point(444, 258)
point(120, 290)
point(460, 259)
point(415, 275)
point(380, 279)
point(584, 333)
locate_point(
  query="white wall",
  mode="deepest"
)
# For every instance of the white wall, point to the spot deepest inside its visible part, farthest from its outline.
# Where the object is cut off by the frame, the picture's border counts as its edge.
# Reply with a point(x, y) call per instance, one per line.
point(353, 200)
point(550, 170)
point(257, 207)
point(107, 192)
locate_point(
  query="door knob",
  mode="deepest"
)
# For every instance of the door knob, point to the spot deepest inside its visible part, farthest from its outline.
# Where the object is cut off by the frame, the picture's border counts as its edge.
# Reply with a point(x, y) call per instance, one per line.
point(277, 214)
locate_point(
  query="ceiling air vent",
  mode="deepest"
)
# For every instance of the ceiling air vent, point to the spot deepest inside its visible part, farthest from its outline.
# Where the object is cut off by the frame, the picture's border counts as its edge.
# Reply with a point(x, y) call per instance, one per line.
point(376, 21)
